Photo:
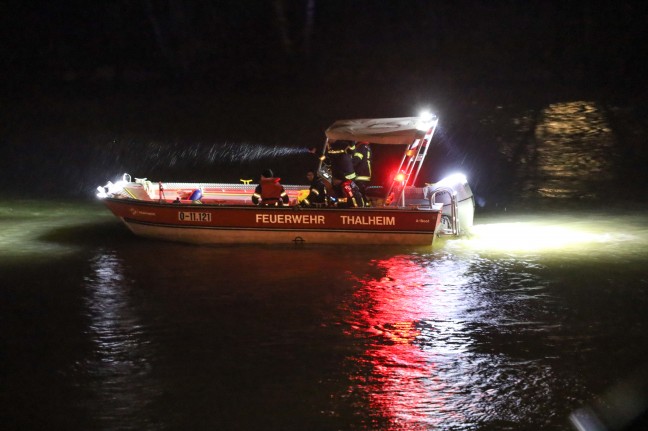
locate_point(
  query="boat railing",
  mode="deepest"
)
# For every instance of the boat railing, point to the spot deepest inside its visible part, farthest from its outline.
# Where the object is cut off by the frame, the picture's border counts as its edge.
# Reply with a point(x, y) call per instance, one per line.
point(449, 224)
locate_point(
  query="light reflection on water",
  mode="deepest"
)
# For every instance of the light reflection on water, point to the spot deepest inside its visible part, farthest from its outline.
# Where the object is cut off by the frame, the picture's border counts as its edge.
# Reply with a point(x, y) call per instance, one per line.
point(401, 312)
point(122, 357)
point(514, 327)
point(611, 234)
point(425, 366)
point(25, 223)
point(473, 334)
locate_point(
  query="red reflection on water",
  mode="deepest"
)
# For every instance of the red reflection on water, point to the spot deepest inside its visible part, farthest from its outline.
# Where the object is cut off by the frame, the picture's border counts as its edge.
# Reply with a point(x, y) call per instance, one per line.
point(402, 385)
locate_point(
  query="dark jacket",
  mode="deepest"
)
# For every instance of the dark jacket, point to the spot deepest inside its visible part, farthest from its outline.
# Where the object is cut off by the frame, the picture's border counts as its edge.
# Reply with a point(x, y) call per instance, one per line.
point(317, 195)
point(362, 162)
point(339, 154)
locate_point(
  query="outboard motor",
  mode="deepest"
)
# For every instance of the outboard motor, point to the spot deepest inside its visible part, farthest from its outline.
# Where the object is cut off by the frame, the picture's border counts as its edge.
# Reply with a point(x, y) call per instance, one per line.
point(458, 203)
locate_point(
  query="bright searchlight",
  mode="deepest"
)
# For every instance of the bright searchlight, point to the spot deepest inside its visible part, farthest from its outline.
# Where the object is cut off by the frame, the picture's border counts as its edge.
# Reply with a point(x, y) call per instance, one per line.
point(426, 120)
point(426, 115)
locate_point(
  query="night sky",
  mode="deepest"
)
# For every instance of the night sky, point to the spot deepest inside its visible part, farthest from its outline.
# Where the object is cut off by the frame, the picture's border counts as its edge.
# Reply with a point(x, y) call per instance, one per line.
point(130, 43)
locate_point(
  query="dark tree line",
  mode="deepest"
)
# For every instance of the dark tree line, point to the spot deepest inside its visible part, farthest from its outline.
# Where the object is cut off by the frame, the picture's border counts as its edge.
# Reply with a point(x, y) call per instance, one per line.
point(144, 40)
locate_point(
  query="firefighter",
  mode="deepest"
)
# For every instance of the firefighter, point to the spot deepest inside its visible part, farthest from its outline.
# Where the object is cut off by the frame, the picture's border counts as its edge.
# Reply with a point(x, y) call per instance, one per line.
point(269, 192)
point(347, 194)
point(318, 195)
point(340, 156)
point(362, 167)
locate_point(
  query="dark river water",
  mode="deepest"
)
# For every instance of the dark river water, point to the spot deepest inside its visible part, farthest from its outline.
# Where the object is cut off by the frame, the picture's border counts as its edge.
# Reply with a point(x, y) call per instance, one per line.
point(535, 321)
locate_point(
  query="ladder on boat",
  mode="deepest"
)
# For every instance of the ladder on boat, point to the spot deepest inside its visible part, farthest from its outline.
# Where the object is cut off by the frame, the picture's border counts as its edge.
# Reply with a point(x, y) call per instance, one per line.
point(409, 168)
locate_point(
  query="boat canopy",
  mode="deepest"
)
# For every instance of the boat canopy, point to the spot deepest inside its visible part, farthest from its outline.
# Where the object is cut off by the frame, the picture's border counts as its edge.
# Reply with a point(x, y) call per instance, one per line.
point(391, 131)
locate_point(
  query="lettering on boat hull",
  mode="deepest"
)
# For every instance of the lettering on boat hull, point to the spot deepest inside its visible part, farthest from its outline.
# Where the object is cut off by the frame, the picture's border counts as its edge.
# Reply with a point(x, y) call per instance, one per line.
point(368, 220)
point(290, 219)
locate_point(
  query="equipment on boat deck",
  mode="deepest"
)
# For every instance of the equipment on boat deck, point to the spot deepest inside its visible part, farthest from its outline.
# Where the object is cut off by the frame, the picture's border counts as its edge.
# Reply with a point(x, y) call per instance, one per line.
point(399, 214)
point(415, 134)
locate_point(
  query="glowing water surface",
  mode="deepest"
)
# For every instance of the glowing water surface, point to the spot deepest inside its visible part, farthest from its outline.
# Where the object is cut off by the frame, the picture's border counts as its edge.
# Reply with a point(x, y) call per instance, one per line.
point(487, 332)
point(530, 317)
point(506, 329)
point(25, 225)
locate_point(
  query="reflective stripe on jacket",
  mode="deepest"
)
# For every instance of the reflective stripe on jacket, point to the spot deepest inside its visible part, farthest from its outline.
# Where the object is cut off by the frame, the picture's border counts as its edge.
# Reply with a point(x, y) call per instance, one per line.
point(362, 162)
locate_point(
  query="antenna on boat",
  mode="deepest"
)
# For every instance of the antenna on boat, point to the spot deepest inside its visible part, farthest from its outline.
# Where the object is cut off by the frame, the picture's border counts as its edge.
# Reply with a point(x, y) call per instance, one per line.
point(161, 192)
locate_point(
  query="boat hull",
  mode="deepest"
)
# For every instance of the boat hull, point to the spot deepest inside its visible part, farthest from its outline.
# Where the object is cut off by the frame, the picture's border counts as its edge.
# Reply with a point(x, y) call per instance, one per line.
point(216, 224)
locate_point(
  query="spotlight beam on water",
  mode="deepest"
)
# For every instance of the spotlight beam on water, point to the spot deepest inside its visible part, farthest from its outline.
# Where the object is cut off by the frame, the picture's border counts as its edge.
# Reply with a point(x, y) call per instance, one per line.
point(587, 235)
point(532, 236)
point(28, 229)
